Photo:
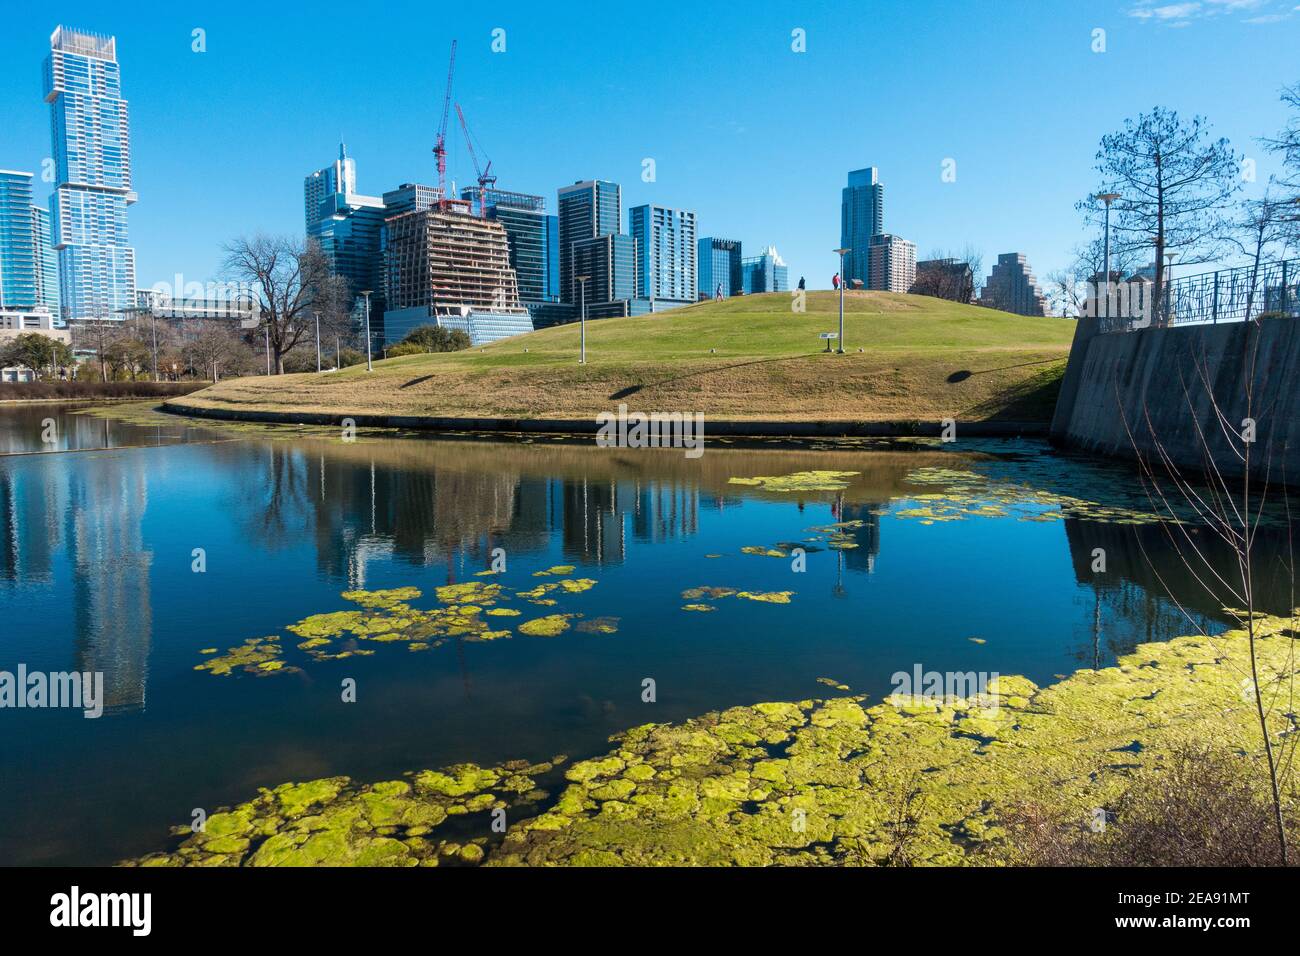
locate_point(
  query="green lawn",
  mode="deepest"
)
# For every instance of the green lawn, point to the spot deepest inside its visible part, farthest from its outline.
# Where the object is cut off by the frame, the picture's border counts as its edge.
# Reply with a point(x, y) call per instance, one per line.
point(750, 357)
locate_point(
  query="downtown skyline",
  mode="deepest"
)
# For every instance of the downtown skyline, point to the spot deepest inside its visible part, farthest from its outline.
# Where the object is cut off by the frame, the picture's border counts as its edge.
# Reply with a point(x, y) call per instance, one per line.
point(748, 140)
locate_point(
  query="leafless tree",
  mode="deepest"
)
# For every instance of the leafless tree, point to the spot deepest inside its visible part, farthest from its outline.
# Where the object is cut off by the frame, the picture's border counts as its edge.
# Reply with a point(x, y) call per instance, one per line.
point(214, 347)
point(1229, 501)
point(1175, 186)
point(292, 280)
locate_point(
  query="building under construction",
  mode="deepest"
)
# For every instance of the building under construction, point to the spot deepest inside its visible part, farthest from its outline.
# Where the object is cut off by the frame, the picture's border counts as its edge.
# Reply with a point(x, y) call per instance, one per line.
point(445, 266)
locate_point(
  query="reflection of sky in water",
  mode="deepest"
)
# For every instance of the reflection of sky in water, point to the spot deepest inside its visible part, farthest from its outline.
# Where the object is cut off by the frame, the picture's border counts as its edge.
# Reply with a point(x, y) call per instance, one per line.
point(95, 573)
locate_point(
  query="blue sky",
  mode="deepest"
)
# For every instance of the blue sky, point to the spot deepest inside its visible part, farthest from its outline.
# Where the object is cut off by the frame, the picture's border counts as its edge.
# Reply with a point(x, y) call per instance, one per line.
point(754, 137)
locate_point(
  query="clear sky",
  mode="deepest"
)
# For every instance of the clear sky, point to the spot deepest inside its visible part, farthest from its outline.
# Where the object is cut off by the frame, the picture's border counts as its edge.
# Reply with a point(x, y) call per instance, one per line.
point(753, 136)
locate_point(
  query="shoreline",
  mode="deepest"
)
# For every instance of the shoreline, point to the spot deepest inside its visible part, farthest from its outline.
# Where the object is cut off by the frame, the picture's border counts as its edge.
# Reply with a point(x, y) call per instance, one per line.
point(726, 428)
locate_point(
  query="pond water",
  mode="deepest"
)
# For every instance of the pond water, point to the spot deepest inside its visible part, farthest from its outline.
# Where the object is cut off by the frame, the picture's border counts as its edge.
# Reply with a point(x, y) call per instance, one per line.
point(976, 556)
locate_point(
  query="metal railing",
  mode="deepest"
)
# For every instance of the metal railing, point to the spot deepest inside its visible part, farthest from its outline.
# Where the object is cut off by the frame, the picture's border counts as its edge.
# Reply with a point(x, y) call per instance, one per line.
point(1238, 294)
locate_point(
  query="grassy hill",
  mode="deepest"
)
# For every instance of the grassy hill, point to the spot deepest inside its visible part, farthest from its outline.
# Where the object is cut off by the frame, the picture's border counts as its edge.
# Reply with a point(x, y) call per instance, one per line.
point(749, 357)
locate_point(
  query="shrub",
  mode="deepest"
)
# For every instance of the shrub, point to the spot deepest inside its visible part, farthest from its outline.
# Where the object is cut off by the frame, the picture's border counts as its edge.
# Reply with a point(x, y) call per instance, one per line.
point(434, 338)
point(1199, 807)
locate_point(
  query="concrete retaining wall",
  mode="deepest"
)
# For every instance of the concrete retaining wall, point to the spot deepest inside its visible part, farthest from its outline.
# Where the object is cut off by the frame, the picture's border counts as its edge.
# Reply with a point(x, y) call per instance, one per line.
point(1131, 393)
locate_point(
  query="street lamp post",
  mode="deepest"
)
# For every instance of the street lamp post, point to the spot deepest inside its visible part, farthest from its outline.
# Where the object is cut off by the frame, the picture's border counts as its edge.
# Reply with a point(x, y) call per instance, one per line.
point(582, 283)
point(840, 253)
point(369, 365)
point(1107, 198)
point(153, 322)
point(317, 315)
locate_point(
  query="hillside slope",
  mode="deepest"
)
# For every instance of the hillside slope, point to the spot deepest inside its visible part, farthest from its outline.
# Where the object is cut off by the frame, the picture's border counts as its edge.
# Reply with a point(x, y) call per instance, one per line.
point(749, 357)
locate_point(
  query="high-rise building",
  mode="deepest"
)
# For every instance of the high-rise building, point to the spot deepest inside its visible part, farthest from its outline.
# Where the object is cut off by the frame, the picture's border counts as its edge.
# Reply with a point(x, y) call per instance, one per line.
point(666, 251)
point(610, 262)
point(862, 215)
point(19, 269)
point(29, 273)
point(533, 237)
point(719, 267)
point(47, 263)
point(766, 272)
point(339, 178)
point(1011, 287)
point(409, 197)
point(92, 165)
point(891, 263)
point(445, 266)
point(586, 210)
point(346, 224)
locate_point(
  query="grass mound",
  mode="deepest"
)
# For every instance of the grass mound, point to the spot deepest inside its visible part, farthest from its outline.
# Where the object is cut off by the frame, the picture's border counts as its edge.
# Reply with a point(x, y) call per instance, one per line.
point(751, 357)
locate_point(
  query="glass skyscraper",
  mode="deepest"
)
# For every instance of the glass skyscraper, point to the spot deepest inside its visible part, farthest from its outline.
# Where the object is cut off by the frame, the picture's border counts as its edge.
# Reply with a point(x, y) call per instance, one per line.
point(719, 267)
point(586, 210)
point(29, 274)
point(348, 226)
point(862, 215)
point(665, 244)
point(765, 273)
point(533, 236)
point(19, 276)
point(92, 162)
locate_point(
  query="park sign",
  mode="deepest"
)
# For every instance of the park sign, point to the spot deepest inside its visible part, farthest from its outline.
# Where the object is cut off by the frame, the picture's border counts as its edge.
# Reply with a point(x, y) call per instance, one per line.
point(830, 335)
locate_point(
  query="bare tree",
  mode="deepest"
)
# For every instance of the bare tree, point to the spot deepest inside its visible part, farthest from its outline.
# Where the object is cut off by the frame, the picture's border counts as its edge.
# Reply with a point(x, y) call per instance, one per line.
point(291, 280)
point(215, 347)
point(1229, 505)
point(1175, 184)
point(1287, 143)
point(1261, 228)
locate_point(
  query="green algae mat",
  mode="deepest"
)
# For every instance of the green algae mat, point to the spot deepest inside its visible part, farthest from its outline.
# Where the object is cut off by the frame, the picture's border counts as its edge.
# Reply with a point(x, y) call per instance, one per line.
point(817, 781)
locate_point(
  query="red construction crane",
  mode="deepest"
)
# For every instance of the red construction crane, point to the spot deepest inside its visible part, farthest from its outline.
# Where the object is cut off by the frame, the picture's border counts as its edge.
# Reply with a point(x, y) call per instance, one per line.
point(485, 177)
point(440, 148)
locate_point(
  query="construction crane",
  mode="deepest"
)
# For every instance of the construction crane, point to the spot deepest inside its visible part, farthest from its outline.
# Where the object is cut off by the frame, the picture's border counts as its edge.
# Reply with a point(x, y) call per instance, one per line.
point(440, 148)
point(485, 177)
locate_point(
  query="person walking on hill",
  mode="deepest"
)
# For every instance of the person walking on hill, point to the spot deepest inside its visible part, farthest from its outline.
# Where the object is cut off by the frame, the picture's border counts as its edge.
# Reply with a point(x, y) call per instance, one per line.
point(717, 296)
point(801, 283)
point(835, 281)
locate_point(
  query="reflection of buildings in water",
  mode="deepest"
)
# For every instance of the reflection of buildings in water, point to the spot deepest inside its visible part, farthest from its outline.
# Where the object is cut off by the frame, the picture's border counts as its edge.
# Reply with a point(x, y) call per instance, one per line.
point(1147, 593)
point(31, 502)
point(361, 513)
point(95, 514)
point(111, 599)
point(867, 536)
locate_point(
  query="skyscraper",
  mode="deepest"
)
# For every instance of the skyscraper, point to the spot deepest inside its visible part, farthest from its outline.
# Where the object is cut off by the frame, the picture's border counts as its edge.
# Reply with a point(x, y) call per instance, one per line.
point(347, 227)
point(92, 163)
point(19, 275)
point(718, 262)
point(586, 210)
point(892, 263)
point(1011, 287)
point(47, 263)
point(862, 215)
point(666, 251)
point(764, 273)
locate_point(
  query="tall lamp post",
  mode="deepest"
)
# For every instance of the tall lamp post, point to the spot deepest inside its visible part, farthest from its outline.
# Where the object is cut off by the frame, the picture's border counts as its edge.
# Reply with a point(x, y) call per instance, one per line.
point(369, 365)
point(840, 253)
point(317, 315)
point(1107, 198)
point(582, 284)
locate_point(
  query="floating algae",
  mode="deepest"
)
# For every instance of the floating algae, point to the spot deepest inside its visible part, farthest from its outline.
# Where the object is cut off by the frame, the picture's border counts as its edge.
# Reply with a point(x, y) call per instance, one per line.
point(765, 552)
point(335, 822)
point(766, 597)
point(691, 594)
point(557, 569)
point(800, 481)
point(389, 617)
point(598, 625)
point(698, 607)
point(257, 655)
point(548, 626)
point(832, 682)
point(969, 494)
point(729, 787)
